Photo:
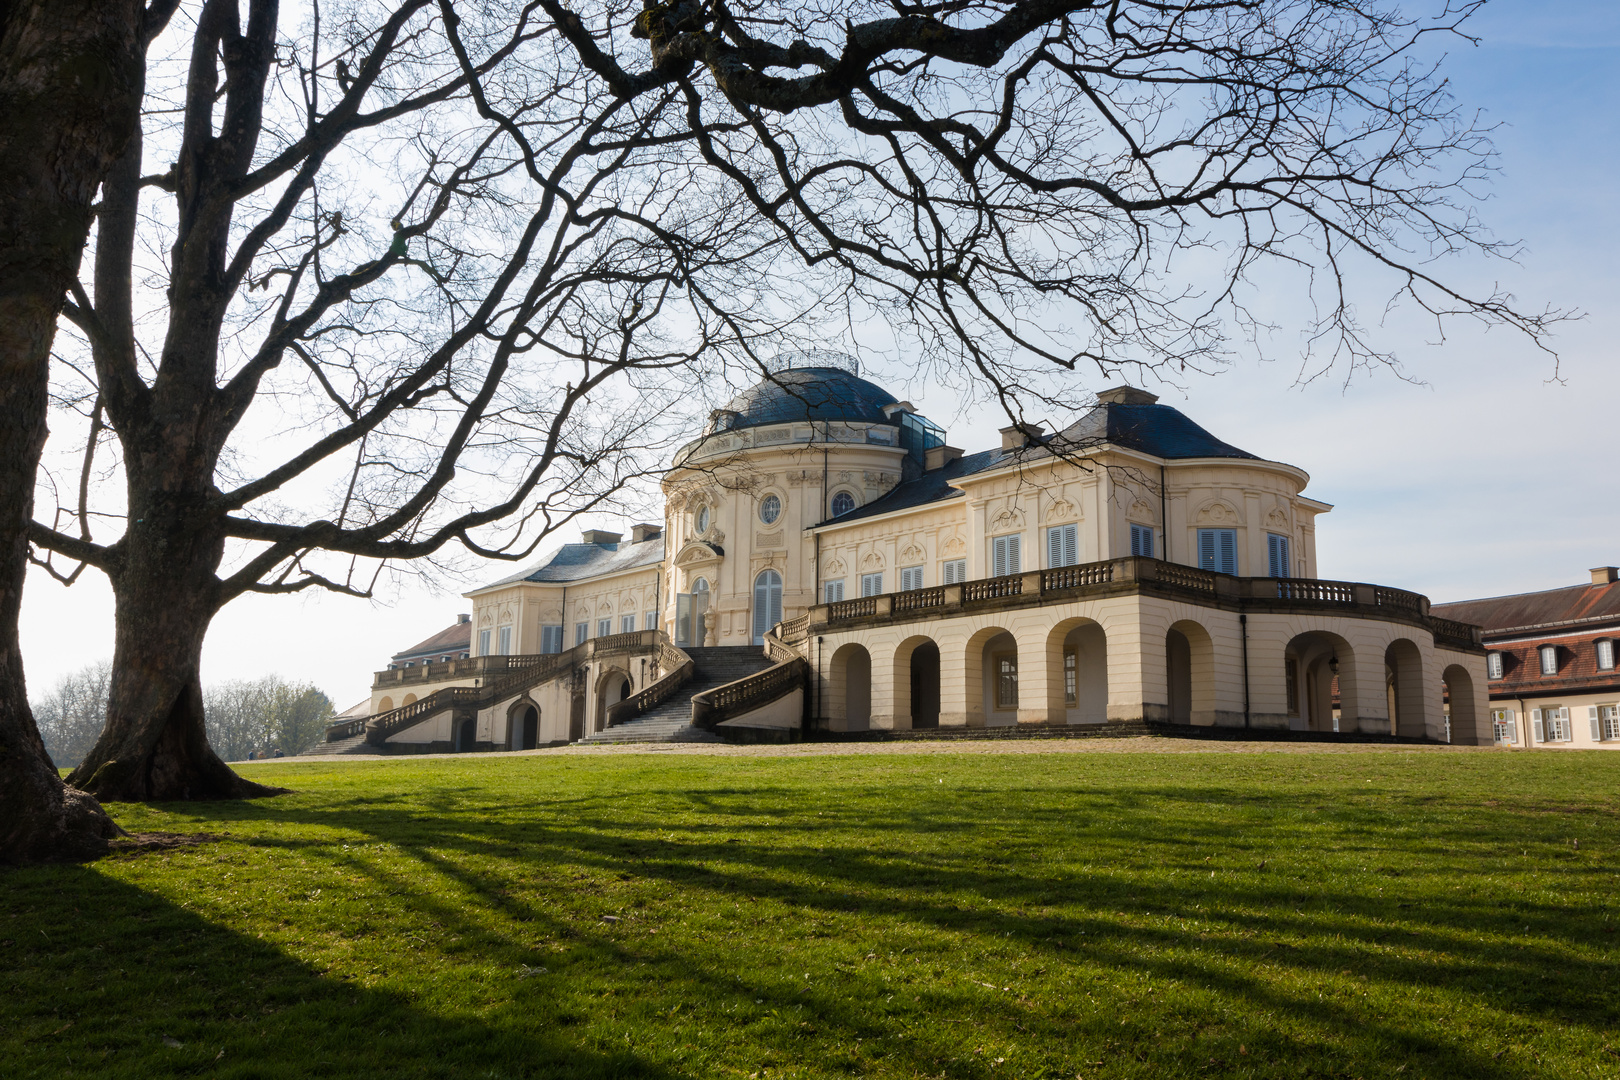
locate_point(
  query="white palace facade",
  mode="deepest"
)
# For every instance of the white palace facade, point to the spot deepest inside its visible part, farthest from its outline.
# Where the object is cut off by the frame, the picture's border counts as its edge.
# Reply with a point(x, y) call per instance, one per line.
point(827, 563)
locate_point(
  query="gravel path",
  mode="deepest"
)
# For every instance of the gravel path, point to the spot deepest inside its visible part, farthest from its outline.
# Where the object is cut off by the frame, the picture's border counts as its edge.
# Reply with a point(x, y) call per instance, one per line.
point(1142, 745)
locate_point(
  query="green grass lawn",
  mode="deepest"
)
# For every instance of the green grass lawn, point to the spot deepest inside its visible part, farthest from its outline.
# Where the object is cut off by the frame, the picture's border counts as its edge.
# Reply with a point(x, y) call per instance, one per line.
point(1367, 914)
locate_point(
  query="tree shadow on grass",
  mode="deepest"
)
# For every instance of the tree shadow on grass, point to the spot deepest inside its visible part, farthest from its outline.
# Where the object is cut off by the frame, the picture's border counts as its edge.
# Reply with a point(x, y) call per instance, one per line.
point(104, 979)
point(1275, 939)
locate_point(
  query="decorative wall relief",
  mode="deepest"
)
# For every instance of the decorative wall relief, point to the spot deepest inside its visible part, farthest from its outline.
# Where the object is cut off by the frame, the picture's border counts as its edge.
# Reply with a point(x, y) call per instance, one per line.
point(769, 540)
point(911, 553)
point(1142, 510)
point(1277, 519)
point(955, 546)
point(1007, 520)
point(873, 561)
point(834, 566)
point(1218, 513)
point(1062, 510)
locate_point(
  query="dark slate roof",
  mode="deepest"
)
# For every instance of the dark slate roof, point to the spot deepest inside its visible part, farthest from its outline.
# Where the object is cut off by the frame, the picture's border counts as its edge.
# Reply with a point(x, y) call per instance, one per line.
point(1160, 430)
point(932, 486)
point(454, 638)
point(811, 393)
point(1575, 605)
point(576, 562)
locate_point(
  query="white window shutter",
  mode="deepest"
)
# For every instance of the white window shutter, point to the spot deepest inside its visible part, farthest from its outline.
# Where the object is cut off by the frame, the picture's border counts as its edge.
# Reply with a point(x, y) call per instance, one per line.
point(1592, 714)
point(1206, 548)
point(1228, 551)
point(1054, 546)
point(1014, 552)
point(1000, 559)
point(1536, 727)
point(1071, 545)
point(1513, 727)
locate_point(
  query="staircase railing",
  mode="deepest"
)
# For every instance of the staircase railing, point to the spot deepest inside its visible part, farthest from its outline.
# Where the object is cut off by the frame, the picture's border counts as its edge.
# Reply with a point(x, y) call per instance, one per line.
point(677, 667)
point(516, 674)
point(713, 707)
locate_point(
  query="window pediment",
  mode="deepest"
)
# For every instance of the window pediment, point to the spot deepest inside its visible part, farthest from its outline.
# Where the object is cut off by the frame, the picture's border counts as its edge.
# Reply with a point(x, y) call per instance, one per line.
point(697, 553)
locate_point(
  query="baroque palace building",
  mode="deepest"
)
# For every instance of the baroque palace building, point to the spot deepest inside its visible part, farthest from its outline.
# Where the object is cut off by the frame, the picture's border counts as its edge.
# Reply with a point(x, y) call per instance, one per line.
point(827, 562)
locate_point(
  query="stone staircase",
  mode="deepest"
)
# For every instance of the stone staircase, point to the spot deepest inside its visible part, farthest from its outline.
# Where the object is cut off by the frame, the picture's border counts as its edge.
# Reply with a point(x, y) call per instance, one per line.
point(672, 721)
point(355, 745)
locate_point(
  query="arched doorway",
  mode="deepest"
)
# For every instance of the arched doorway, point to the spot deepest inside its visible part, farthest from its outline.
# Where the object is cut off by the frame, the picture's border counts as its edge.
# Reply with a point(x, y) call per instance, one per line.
point(1462, 721)
point(1317, 668)
point(767, 603)
point(990, 678)
point(466, 735)
point(916, 683)
point(849, 690)
point(1403, 681)
point(1077, 672)
point(1189, 662)
point(612, 687)
point(523, 727)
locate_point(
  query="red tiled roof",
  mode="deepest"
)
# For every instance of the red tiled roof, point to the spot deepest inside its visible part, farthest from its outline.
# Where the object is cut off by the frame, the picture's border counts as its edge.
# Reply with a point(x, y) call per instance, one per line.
point(456, 637)
point(1577, 668)
point(1574, 606)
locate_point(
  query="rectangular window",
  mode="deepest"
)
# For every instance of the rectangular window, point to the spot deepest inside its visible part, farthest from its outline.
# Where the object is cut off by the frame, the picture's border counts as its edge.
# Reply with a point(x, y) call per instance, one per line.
point(1006, 681)
point(1605, 654)
point(483, 643)
point(954, 571)
point(1608, 723)
point(1142, 541)
point(1493, 665)
point(1277, 563)
point(652, 620)
point(551, 639)
point(604, 627)
point(1071, 678)
point(1550, 724)
point(1005, 552)
point(1217, 550)
point(506, 640)
point(627, 624)
point(1504, 727)
point(1291, 674)
point(910, 578)
point(835, 590)
point(871, 584)
point(1549, 659)
point(1063, 545)
point(581, 632)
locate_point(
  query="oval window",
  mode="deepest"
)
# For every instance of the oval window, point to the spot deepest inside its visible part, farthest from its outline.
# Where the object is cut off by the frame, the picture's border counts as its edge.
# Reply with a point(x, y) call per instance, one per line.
point(703, 519)
point(770, 509)
point(843, 503)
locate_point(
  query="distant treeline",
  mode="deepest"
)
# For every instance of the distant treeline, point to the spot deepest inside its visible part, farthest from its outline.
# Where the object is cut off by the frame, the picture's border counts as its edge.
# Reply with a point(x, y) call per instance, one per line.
point(243, 716)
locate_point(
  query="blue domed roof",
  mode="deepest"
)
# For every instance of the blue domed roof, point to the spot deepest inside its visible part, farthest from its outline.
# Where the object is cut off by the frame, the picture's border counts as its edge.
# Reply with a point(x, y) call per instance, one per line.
point(808, 393)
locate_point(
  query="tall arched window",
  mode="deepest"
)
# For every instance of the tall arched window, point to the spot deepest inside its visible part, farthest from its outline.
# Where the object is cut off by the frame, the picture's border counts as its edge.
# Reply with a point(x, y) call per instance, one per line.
point(842, 503)
point(767, 603)
point(701, 585)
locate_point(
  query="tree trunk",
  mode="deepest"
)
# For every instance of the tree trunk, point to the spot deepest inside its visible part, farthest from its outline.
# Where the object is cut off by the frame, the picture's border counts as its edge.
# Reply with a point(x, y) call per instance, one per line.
point(69, 99)
point(155, 745)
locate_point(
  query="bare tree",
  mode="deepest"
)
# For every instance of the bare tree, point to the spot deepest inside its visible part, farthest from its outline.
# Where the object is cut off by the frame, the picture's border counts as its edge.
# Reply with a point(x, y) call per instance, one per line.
point(69, 99)
point(264, 715)
point(72, 714)
point(437, 273)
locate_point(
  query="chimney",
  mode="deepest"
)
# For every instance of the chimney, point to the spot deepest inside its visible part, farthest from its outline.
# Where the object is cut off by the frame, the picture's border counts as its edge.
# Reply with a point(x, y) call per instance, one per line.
point(937, 457)
point(1605, 575)
point(1126, 395)
point(463, 618)
point(600, 536)
point(639, 533)
point(1019, 436)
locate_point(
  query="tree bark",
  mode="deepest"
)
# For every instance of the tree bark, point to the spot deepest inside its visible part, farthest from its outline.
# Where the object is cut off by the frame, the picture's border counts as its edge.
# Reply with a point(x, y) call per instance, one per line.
point(155, 745)
point(69, 99)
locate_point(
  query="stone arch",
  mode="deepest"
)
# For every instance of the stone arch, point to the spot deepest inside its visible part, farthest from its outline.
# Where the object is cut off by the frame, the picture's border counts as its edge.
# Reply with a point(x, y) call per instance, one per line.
point(1462, 717)
point(466, 735)
point(1076, 657)
point(523, 725)
point(849, 688)
point(916, 683)
point(385, 704)
point(991, 690)
point(1189, 653)
point(1313, 662)
point(613, 685)
point(410, 699)
point(1403, 682)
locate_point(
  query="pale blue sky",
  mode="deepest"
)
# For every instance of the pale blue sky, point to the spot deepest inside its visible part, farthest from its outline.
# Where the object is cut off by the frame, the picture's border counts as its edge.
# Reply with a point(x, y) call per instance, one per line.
point(1488, 479)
